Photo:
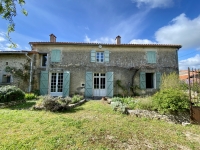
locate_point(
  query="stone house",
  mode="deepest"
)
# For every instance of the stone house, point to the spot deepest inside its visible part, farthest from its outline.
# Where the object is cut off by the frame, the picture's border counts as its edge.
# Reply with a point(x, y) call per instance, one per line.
point(94, 69)
point(15, 60)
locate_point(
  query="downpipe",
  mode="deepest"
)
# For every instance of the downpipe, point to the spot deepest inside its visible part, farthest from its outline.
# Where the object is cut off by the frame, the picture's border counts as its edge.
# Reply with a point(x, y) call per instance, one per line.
point(31, 71)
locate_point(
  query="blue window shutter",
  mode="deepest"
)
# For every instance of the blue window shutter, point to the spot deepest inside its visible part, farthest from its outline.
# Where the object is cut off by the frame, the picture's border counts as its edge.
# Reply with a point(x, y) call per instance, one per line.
point(88, 84)
point(151, 56)
point(55, 56)
point(106, 55)
point(109, 78)
point(66, 83)
point(93, 56)
point(142, 80)
point(158, 79)
point(44, 82)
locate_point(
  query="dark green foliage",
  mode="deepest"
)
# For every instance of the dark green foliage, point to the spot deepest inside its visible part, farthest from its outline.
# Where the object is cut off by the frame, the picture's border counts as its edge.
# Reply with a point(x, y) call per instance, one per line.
point(11, 93)
point(170, 101)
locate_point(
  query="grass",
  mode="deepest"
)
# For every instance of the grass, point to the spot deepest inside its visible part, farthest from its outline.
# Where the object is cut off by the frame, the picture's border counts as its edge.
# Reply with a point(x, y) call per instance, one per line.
point(91, 126)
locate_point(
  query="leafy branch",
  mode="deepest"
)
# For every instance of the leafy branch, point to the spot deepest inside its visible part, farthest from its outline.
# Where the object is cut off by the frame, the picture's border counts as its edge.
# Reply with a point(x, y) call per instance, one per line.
point(8, 11)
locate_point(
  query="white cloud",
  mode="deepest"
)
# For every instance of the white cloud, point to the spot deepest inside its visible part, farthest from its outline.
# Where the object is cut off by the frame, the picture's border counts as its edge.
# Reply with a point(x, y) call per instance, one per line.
point(193, 62)
point(154, 3)
point(182, 30)
point(2, 39)
point(100, 40)
point(141, 41)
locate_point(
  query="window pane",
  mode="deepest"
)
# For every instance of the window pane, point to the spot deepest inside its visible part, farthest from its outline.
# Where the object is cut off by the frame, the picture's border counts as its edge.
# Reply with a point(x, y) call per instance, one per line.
point(44, 60)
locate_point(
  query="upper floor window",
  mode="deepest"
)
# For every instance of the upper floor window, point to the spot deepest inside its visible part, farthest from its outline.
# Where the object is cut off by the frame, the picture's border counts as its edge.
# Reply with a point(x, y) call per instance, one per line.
point(44, 60)
point(100, 56)
point(55, 55)
point(151, 56)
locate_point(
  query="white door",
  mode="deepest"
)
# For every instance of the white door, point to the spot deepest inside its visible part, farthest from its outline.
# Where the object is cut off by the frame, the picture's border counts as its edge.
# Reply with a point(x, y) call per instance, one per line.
point(56, 84)
point(99, 84)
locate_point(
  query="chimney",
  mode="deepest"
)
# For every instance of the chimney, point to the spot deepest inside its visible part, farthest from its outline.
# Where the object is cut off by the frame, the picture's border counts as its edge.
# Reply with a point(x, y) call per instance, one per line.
point(118, 40)
point(52, 38)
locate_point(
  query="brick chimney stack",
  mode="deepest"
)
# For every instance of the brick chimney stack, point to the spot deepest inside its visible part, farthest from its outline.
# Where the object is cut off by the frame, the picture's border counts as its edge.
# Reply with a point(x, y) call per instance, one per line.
point(118, 40)
point(52, 38)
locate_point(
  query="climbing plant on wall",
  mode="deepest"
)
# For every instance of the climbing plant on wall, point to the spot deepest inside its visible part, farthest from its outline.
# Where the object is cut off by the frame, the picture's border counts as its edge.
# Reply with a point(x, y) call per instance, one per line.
point(23, 72)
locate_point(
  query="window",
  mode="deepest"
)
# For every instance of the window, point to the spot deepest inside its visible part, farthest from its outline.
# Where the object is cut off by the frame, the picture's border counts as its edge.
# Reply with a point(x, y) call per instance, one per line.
point(151, 57)
point(44, 60)
point(6, 63)
point(99, 56)
point(6, 79)
point(55, 56)
point(150, 80)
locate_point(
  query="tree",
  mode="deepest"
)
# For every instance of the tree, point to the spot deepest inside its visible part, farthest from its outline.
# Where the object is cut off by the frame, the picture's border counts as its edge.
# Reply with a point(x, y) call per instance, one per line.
point(8, 11)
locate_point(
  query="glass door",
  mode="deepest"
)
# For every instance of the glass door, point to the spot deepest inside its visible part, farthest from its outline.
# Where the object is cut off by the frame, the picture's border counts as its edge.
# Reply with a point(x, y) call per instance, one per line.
point(56, 84)
point(99, 84)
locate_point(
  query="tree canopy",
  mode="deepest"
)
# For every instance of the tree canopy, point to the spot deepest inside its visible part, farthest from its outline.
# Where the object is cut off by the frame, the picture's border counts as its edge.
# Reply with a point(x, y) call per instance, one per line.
point(8, 11)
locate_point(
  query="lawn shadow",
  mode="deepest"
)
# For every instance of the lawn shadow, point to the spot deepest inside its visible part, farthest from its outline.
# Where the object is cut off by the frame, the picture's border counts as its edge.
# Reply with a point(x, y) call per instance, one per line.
point(21, 106)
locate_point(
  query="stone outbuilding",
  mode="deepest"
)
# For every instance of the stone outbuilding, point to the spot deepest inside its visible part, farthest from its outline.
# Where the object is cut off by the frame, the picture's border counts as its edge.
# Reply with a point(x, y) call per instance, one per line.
point(12, 71)
point(98, 70)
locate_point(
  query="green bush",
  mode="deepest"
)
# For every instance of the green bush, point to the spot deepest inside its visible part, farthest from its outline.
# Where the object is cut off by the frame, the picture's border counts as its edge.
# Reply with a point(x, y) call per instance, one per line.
point(30, 96)
point(170, 101)
point(76, 98)
point(11, 93)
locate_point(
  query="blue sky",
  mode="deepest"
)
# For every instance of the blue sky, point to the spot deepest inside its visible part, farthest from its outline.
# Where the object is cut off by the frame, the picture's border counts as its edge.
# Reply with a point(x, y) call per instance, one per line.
point(136, 21)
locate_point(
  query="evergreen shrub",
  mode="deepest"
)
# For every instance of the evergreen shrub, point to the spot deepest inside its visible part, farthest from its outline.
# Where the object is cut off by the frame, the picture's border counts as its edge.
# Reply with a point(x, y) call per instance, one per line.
point(170, 101)
point(11, 93)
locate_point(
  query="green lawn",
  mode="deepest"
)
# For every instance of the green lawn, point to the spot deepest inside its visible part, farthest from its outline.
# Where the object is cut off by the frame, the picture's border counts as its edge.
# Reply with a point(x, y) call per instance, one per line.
point(91, 126)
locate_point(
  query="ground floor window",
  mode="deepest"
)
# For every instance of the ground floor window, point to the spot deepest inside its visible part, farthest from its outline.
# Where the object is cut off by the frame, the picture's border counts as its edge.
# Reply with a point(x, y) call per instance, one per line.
point(6, 79)
point(150, 80)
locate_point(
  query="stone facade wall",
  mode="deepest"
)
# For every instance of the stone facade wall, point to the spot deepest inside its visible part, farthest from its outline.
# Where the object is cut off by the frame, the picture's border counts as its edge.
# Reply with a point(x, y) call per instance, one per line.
point(12, 60)
point(122, 61)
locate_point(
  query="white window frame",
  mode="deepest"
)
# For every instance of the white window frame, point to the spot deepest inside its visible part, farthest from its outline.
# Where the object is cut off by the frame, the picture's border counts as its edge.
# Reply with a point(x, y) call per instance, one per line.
point(98, 57)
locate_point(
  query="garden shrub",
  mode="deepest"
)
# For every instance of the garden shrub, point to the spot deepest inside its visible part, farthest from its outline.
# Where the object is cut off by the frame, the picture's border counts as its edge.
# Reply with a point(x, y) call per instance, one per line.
point(132, 103)
point(53, 104)
point(76, 98)
point(11, 93)
point(170, 101)
point(30, 96)
point(144, 103)
point(119, 106)
point(170, 81)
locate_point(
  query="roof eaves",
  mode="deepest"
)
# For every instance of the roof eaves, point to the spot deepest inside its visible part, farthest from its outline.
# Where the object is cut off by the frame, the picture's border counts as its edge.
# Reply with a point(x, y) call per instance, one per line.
point(107, 44)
